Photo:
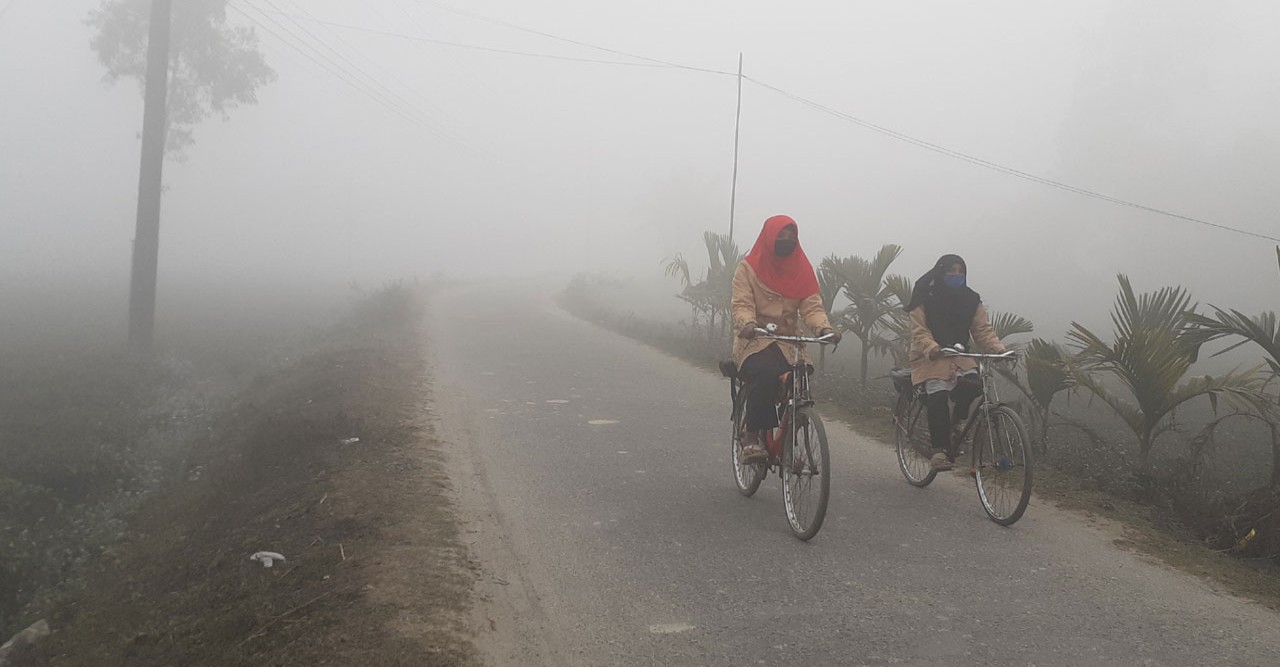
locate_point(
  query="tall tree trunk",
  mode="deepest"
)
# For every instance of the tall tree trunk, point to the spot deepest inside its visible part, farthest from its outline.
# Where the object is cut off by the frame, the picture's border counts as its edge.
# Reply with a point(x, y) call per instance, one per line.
point(146, 241)
point(862, 374)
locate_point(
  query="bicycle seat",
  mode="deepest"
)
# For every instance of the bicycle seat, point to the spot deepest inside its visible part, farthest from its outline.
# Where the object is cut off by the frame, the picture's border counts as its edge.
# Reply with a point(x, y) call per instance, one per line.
point(729, 369)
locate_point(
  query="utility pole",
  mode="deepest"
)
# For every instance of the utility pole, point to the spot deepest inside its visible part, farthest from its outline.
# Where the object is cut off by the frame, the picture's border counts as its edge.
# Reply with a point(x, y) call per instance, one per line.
point(146, 242)
point(737, 124)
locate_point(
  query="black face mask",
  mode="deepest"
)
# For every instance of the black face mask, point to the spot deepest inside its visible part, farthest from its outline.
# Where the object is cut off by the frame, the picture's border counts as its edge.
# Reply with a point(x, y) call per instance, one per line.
point(783, 247)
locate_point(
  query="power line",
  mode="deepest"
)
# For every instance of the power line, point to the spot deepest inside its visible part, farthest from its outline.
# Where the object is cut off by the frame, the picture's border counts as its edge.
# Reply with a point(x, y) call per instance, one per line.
point(458, 64)
point(998, 167)
point(441, 42)
point(882, 130)
point(444, 128)
point(331, 68)
point(513, 26)
point(362, 76)
point(900, 136)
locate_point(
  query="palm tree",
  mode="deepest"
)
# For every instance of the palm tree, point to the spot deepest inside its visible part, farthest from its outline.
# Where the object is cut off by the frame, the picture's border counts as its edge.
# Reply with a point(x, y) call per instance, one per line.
point(828, 288)
point(1261, 330)
point(898, 328)
point(711, 296)
point(678, 267)
point(871, 302)
point(1048, 373)
point(1043, 372)
point(1149, 355)
point(723, 258)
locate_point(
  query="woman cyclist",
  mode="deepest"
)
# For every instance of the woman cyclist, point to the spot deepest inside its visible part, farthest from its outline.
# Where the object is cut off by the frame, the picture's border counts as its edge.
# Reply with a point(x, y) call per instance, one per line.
point(774, 284)
point(945, 312)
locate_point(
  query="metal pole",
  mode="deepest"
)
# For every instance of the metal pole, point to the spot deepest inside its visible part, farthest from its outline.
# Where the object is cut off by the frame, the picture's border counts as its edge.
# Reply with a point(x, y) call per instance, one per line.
point(737, 125)
point(146, 242)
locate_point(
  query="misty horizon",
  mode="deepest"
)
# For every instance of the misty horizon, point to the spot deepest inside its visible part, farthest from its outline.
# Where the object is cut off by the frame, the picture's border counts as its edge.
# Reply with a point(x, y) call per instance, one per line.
point(534, 165)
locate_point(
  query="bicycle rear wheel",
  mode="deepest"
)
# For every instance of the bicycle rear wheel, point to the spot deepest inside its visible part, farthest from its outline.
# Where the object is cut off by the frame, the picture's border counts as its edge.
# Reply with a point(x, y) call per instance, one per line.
point(806, 474)
point(911, 437)
point(746, 477)
point(1002, 463)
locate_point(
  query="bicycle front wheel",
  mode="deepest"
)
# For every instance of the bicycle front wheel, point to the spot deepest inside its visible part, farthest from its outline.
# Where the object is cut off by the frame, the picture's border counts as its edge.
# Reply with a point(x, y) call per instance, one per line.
point(806, 474)
point(1002, 464)
point(911, 437)
point(746, 477)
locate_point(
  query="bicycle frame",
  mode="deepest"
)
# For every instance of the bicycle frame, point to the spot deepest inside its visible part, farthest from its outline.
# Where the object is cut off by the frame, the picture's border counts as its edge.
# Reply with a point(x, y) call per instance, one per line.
point(990, 397)
point(796, 392)
point(988, 400)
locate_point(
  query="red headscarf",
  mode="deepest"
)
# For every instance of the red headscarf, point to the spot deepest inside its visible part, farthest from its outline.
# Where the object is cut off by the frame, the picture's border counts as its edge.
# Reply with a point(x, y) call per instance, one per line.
point(791, 276)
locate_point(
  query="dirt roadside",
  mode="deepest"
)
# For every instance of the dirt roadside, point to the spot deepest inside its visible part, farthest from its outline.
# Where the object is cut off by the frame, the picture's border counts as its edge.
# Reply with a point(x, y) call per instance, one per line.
point(331, 462)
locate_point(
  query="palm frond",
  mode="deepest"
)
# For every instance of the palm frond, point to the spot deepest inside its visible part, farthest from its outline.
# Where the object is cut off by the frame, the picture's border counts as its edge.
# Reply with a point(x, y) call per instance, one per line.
point(678, 267)
point(900, 287)
point(829, 285)
point(886, 256)
point(1009, 324)
point(1048, 371)
point(1242, 390)
point(1262, 330)
point(1123, 409)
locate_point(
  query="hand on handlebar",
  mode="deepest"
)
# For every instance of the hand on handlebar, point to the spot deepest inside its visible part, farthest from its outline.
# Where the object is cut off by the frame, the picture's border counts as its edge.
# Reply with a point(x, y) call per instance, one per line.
point(748, 332)
point(833, 334)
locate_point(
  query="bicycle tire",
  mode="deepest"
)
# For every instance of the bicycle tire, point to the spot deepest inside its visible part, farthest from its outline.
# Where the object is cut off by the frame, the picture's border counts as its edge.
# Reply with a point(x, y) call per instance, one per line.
point(746, 478)
point(909, 432)
point(806, 461)
point(1003, 464)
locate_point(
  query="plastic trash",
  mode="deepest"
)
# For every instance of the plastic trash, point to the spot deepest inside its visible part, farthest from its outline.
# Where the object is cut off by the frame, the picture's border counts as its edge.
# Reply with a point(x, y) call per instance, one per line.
point(267, 558)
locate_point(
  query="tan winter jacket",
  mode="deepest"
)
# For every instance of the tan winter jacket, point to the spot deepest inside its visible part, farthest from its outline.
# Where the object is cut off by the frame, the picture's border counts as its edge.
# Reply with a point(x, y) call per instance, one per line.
point(922, 343)
point(754, 302)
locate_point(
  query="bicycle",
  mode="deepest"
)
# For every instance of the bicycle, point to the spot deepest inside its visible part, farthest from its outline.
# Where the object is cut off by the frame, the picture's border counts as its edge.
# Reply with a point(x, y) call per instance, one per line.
point(797, 448)
point(1002, 461)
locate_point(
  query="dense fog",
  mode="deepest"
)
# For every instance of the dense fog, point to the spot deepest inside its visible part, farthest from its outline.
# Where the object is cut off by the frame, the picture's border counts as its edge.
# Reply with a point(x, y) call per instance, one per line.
point(521, 164)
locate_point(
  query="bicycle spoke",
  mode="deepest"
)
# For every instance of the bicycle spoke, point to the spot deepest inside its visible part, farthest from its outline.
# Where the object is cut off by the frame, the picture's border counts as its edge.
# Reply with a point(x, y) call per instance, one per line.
point(1003, 470)
point(806, 480)
point(913, 443)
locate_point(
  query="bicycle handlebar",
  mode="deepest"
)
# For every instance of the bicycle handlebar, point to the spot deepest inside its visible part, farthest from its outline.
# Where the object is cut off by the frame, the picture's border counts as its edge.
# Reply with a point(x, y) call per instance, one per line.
point(1007, 356)
point(821, 340)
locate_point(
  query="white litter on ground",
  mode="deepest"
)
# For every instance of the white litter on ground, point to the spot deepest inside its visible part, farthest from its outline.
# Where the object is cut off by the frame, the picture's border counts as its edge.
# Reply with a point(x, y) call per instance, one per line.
point(267, 558)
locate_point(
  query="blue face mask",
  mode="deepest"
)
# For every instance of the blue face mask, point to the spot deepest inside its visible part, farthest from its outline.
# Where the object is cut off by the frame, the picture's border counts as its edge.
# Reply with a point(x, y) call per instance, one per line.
point(955, 281)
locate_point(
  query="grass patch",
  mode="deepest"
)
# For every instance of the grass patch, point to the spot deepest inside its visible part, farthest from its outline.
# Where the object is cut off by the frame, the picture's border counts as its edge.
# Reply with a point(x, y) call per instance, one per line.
point(324, 459)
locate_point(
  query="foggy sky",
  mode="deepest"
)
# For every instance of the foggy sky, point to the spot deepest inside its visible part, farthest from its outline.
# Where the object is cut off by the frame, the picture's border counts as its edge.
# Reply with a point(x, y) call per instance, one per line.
point(559, 166)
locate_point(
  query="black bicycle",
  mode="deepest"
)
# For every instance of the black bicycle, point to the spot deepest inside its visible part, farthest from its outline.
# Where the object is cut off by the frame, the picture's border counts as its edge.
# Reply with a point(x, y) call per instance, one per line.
point(997, 437)
point(797, 448)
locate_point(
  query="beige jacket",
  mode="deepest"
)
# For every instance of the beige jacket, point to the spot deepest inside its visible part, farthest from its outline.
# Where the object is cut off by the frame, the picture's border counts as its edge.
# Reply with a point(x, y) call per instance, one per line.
point(922, 343)
point(754, 302)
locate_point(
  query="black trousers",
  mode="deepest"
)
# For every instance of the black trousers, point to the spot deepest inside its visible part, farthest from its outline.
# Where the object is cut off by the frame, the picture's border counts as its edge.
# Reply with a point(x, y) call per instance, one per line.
point(940, 414)
point(762, 372)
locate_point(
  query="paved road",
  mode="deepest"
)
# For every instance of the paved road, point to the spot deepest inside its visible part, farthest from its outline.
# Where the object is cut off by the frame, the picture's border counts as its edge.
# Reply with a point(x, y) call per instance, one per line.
point(623, 541)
